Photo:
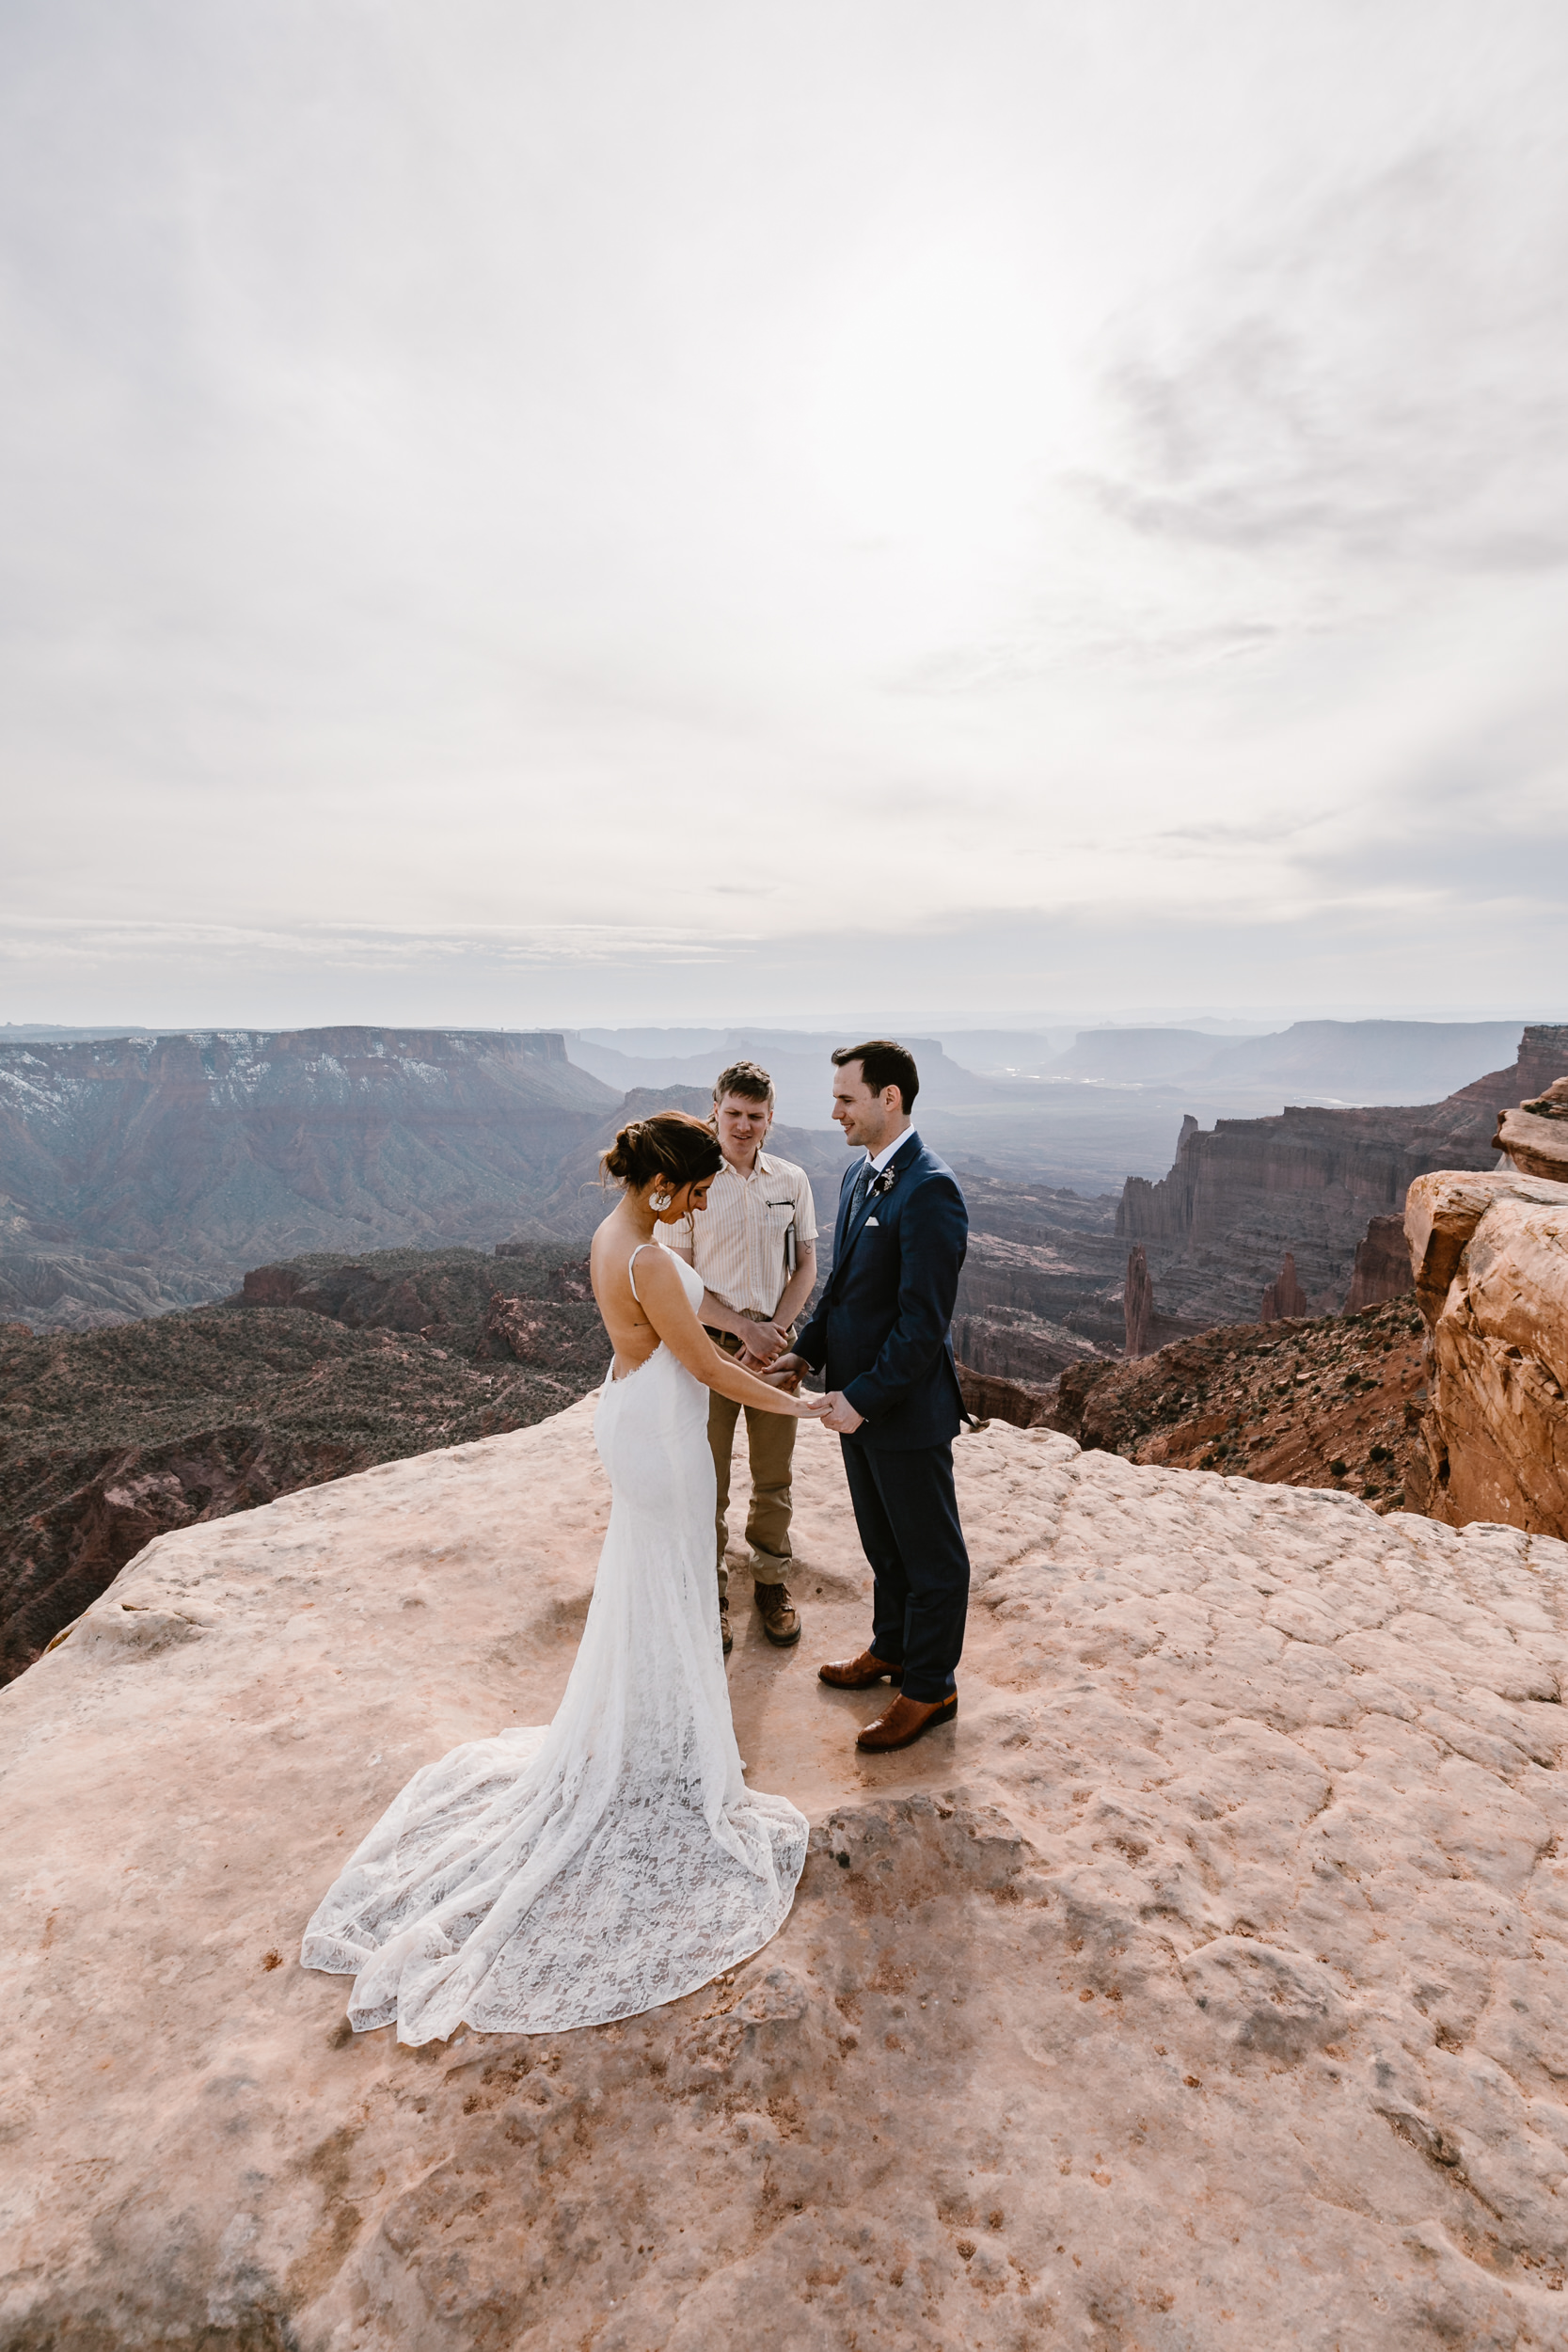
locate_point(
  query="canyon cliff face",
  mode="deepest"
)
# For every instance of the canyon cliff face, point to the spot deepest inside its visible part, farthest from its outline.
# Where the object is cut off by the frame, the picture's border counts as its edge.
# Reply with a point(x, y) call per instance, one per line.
point(1294, 1215)
point(1308, 1181)
point(1043, 1283)
point(1381, 1267)
point(1490, 1257)
point(201, 1154)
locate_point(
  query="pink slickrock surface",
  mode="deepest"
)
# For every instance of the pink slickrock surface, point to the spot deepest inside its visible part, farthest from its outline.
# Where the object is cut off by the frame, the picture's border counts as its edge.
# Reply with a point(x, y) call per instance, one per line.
point(1204, 1986)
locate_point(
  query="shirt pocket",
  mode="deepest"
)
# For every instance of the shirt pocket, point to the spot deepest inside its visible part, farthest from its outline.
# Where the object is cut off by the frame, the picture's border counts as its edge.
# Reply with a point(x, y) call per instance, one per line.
point(782, 1253)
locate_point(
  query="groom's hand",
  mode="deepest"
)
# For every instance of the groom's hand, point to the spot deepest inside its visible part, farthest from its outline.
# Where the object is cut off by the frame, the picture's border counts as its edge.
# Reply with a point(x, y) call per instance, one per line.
point(841, 1415)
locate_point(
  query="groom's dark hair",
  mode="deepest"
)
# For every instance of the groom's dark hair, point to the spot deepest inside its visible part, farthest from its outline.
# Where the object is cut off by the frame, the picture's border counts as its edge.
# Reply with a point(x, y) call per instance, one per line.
point(883, 1064)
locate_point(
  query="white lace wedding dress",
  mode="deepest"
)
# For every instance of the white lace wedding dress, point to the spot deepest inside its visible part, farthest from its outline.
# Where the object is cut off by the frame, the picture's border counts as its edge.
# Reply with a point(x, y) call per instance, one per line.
point(615, 1858)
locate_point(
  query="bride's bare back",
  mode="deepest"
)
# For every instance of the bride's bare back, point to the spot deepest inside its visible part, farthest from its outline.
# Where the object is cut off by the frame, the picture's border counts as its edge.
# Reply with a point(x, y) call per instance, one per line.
point(657, 1312)
point(632, 1334)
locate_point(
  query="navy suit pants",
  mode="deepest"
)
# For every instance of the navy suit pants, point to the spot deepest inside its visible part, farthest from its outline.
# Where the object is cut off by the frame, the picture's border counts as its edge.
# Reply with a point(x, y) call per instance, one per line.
point(908, 1516)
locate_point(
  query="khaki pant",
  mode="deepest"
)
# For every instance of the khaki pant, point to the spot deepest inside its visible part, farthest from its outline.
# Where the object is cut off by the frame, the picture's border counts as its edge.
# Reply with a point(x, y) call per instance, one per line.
point(771, 1446)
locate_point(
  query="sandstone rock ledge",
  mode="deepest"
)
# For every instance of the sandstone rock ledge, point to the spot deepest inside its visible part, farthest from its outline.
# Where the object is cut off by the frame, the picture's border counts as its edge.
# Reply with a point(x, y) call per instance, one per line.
point(1490, 1254)
point(1205, 1986)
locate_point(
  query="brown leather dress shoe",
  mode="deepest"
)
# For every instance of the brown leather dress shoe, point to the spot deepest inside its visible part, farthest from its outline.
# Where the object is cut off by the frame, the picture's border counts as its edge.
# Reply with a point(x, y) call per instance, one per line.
point(858, 1674)
point(779, 1620)
point(905, 1720)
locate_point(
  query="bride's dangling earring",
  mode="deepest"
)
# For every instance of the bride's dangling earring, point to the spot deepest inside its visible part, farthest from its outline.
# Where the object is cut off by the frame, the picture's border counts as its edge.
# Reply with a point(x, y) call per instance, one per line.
point(659, 1199)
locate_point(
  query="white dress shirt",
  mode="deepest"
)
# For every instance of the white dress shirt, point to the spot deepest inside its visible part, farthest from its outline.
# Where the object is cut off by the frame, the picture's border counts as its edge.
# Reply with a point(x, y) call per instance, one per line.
point(879, 1159)
point(739, 1243)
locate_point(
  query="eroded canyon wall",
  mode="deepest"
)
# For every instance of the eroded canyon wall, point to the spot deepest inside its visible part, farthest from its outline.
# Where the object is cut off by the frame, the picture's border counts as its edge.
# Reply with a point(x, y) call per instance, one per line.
point(1042, 1284)
point(1309, 1181)
point(1382, 1265)
point(205, 1152)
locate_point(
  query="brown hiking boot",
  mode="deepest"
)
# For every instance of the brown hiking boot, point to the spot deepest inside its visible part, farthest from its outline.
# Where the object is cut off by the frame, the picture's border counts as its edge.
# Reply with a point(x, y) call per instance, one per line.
point(858, 1674)
point(779, 1620)
point(724, 1633)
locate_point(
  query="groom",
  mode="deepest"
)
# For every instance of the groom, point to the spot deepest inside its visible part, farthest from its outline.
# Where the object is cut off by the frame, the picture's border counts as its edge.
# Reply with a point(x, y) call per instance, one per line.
point(882, 1332)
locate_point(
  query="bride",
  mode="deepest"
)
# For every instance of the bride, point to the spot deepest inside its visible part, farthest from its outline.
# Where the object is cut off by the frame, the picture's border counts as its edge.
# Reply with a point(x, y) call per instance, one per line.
point(612, 1859)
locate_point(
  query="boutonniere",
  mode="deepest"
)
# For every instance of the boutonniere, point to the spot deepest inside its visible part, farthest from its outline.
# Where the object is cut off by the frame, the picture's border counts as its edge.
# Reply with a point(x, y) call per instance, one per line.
point(882, 1185)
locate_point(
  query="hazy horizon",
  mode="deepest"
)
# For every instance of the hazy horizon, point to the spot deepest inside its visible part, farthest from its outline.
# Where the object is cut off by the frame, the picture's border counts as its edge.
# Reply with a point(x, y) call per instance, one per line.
point(1225, 1026)
point(1067, 1104)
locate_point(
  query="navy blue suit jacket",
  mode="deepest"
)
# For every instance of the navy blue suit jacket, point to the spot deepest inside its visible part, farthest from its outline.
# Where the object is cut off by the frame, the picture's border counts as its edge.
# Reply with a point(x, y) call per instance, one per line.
point(881, 1331)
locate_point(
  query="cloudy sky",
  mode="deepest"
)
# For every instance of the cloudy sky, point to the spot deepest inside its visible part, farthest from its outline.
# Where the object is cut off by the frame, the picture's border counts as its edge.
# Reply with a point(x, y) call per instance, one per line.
point(521, 512)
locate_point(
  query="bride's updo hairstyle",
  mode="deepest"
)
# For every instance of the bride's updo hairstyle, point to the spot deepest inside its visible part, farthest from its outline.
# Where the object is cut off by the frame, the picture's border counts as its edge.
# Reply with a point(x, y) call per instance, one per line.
point(670, 1144)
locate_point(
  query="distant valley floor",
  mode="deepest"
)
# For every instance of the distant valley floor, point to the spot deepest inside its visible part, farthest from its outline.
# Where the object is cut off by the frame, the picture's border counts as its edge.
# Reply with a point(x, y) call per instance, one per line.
point(111, 1438)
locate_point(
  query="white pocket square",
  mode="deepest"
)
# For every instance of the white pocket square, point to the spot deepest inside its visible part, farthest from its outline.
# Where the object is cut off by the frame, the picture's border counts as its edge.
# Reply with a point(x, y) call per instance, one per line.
point(873, 1221)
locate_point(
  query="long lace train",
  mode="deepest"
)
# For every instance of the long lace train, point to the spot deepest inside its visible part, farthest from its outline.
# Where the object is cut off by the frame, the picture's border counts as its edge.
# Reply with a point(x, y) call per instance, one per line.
point(614, 1859)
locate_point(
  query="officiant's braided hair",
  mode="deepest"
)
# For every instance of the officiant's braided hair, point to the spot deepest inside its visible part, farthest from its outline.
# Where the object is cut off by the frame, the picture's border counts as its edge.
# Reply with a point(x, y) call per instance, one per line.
point(670, 1144)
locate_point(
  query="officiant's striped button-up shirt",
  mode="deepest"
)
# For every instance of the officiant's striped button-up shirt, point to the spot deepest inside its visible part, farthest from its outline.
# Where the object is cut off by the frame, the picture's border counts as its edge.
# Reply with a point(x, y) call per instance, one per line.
point(739, 1243)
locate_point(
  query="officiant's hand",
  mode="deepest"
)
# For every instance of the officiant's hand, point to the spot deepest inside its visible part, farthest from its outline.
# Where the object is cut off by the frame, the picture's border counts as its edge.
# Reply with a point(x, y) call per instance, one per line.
point(841, 1415)
point(762, 1343)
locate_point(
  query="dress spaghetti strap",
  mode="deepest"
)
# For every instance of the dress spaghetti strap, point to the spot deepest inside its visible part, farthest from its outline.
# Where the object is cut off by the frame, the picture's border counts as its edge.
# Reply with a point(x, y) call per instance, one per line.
point(632, 1261)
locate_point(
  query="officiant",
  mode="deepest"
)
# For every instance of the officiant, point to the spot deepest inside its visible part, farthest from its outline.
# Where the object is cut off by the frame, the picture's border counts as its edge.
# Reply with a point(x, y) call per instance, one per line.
point(754, 1246)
